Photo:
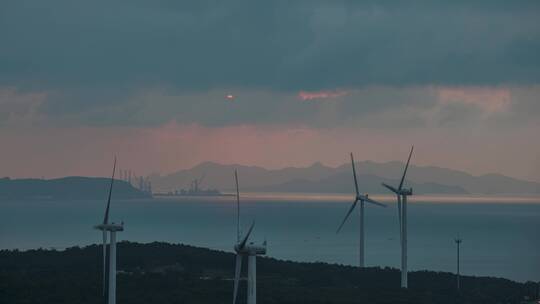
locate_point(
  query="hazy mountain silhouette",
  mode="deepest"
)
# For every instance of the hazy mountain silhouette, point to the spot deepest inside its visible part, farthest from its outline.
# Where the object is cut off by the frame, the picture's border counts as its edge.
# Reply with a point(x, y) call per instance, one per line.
point(343, 183)
point(221, 176)
point(482, 184)
point(322, 179)
point(73, 187)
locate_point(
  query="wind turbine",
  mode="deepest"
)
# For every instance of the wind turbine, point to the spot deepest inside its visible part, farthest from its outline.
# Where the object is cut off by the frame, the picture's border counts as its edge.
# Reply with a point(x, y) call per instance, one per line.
point(359, 198)
point(401, 195)
point(112, 228)
point(243, 248)
point(458, 243)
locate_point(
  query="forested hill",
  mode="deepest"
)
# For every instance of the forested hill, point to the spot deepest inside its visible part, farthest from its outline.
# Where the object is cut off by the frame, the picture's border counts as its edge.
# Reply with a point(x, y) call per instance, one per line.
point(164, 273)
point(73, 187)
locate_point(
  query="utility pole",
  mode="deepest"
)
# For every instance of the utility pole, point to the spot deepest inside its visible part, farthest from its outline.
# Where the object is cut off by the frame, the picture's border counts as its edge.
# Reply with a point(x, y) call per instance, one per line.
point(458, 243)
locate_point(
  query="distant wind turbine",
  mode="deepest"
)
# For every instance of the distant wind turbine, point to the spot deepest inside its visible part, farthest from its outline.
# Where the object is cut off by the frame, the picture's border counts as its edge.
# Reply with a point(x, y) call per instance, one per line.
point(402, 194)
point(112, 228)
point(458, 243)
point(243, 248)
point(359, 198)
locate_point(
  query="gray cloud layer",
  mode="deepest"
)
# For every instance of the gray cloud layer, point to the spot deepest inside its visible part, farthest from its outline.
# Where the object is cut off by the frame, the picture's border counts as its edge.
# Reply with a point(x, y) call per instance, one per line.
point(272, 44)
point(147, 62)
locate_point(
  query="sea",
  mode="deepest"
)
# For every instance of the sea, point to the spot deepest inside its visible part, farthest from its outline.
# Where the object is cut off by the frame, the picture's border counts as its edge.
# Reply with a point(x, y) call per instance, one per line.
point(501, 235)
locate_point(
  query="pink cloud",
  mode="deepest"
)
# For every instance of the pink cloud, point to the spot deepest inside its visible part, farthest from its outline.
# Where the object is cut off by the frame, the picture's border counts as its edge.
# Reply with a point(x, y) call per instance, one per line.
point(20, 108)
point(305, 95)
point(54, 152)
point(490, 100)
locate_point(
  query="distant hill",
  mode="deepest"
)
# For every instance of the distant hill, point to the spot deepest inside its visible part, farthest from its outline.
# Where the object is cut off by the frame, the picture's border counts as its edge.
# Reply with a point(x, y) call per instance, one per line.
point(73, 187)
point(221, 176)
point(319, 178)
point(482, 184)
point(343, 183)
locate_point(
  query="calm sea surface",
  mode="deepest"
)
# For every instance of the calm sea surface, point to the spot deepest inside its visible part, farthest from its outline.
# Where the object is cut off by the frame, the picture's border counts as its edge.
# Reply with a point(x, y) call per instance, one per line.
point(501, 236)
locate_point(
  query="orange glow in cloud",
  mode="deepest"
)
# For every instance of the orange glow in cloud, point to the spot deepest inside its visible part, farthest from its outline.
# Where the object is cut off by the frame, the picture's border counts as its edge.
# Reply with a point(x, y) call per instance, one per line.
point(305, 95)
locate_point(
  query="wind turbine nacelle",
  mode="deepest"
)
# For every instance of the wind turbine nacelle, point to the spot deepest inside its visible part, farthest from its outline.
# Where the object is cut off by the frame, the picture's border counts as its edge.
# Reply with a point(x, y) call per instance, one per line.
point(110, 227)
point(250, 249)
point(256, 249)
point(406, 191)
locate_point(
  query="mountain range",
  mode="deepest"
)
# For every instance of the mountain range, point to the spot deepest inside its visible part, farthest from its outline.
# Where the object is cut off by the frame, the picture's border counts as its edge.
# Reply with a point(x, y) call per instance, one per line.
point(319, 178)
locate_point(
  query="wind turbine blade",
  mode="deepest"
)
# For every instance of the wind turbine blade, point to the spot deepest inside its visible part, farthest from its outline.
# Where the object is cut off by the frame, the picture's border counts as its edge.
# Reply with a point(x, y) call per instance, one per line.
point(243, 243)
point(106, 218)
point(367, 199)
point(354, 174)
point(347, 216)
point(237, 276)
point(104, 261)
point(237, 208)
point(405, 171)
point(390, 188)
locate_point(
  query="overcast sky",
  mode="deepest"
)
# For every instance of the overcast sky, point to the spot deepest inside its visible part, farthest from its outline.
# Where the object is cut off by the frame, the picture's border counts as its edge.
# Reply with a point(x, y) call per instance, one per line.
point(310, 81)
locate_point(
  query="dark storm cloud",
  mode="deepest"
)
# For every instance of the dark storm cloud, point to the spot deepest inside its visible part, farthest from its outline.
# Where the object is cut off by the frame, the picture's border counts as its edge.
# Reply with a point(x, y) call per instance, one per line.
point(274, 44)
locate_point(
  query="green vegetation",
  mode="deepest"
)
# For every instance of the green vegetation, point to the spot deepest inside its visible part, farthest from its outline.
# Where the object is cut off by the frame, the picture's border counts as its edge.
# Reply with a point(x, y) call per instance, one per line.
point(165, 273)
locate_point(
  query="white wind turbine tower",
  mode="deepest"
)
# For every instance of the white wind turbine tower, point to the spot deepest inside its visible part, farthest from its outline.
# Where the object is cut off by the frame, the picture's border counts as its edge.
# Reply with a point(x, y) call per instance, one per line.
point(402, 194)
point(359, 198)
point(112, 228)
point(243, 248)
